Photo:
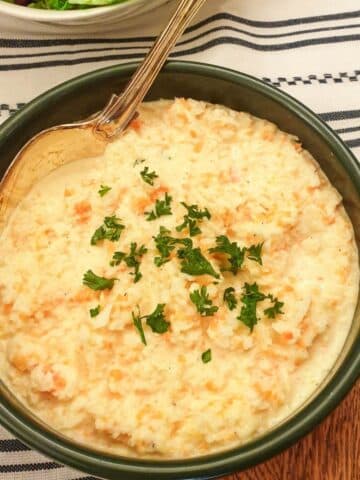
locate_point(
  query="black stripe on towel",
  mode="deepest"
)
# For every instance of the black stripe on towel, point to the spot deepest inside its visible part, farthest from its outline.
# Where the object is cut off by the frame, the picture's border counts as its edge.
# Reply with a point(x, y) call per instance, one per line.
point(29, 467)
point(191, 51)
point(87, 478)
point(348, 130)
point(278, 23)
point(327, 78)
point(353, 143)
point(342, 115)
point(12, 445)
point(119, 48)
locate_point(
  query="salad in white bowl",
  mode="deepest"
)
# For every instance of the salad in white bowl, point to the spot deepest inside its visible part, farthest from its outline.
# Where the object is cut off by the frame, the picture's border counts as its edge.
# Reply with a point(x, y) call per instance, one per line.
point(65, 4)
point(76, 12)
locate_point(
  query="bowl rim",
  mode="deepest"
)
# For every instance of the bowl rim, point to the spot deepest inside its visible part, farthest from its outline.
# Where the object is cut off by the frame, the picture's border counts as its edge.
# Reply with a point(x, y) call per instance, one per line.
point(20, 11)
point(256, 451)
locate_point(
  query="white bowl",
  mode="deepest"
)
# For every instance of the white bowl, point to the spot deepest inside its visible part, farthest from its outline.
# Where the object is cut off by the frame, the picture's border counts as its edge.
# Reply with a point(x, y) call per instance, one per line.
point(90, 16)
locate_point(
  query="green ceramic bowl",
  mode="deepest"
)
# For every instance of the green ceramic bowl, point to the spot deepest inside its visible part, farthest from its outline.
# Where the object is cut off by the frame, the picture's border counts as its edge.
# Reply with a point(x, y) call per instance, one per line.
point(84, 95)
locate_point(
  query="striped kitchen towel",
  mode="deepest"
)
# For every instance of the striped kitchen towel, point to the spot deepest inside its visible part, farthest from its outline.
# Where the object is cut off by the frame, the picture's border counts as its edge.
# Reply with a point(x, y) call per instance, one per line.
point(309, 49)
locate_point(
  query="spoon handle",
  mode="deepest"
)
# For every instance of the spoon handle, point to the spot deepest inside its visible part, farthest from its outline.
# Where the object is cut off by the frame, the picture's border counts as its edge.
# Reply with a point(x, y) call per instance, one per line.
point(120, 110)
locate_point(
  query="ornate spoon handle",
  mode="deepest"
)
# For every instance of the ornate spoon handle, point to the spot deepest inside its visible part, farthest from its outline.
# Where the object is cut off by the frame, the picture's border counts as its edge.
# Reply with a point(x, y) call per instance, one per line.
point(120, 110)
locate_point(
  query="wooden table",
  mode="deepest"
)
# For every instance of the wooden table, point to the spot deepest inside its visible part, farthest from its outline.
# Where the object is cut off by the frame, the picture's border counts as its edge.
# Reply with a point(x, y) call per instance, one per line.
point(330, 452)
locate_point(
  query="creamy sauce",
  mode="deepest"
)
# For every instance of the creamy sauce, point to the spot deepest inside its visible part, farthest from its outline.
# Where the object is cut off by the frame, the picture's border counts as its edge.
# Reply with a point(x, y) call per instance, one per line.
point(91, 377)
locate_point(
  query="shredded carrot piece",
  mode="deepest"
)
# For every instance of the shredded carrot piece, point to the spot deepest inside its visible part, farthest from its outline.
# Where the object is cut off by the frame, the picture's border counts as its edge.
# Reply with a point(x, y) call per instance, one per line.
point(136, 125)
point(82, 211)
point(82, 207)
point(288, 335)
point(7, 308)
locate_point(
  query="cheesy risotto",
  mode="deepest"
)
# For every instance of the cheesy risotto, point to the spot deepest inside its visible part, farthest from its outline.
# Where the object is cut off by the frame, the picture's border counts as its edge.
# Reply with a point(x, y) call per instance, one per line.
point(180, 294)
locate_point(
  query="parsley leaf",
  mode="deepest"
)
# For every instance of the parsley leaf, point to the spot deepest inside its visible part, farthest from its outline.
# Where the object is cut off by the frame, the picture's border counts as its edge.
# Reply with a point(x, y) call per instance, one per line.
point(194, 212)
point(250, 299)
point(271, 312)
point(204, 305)
point(206, 356)
point(117, 258)
point(193, 262)
point(156, 320)
point(95, 282)
point(193, 227)
point(229, 298)
point(190, 220)
point(132, 260)
point(166, 244)
point(137, 321)
point(138, 161)
point(103, 190)
point(110, 230)
point(148, 177)
point(254, 253)
point(235, 253)
point(162, 207)
point(94, 312)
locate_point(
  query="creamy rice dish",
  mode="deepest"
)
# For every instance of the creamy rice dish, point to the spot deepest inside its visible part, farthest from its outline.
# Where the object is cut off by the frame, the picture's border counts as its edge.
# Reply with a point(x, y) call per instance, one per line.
point(181, 294)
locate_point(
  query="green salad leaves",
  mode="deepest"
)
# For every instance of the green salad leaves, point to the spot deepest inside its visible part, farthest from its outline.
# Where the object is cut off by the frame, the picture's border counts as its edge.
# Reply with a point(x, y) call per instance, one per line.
point(71, 4)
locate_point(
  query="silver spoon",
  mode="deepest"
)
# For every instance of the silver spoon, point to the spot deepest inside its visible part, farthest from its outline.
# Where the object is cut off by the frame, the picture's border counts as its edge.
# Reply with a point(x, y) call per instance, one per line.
point(62, 144)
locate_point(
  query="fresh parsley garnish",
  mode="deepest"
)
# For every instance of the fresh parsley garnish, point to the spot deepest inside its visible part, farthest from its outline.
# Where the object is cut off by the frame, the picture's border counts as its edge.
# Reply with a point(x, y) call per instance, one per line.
point(204, 305)
point(132, 259)
point(254, 252)
point(138, 161)
point(236, 254)
point(95, 282)
point(110, 230)
point(232, 249)
point(195, 212)
point(250, 298)
point(275, 309)
point(156, 320)
point(137, 321)
point(148, 177)
point(194, 229)
point(117, 258)
point(193, 262)
point(229, 298)
point(206, 356)
point(165, 244)
point(194, 215)
point(103, 190)
point(94, 312)
point(162, 207)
